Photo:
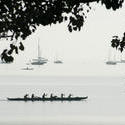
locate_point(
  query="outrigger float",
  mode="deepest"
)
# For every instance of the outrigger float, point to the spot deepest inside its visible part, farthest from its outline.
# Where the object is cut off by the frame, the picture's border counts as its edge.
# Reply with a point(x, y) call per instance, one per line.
point(49, 99)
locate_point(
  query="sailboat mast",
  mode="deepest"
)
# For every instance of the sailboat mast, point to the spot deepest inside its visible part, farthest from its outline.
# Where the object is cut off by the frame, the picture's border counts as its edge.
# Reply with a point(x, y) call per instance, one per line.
point(39, 54)
point(109, 55)
point(56, 58)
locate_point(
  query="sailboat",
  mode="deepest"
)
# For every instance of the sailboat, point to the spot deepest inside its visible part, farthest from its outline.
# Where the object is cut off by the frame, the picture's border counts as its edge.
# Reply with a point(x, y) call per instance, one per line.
point(111, 62)
point(58, 61)
point(27, 68)
point(39, 60)
point(122, 60)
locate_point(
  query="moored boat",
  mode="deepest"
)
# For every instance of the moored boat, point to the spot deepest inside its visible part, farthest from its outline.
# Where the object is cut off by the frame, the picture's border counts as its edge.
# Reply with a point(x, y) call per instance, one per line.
point(39, 60)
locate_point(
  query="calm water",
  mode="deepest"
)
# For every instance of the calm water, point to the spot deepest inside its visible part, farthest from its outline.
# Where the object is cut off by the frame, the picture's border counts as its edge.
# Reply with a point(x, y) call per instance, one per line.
point(105, 105)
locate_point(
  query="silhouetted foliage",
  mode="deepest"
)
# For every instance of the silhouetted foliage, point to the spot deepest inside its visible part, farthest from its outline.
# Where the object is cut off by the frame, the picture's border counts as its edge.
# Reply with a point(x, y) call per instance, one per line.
point(5, 57)
point(20, 18)
point(118, 43)
point(21, 47)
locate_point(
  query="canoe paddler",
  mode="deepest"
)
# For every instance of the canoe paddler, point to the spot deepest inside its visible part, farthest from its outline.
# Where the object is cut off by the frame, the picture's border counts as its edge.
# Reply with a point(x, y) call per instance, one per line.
point(62, 95)
point(32, 96)
point(69, 95)
point(44, 95)
point(25, 96)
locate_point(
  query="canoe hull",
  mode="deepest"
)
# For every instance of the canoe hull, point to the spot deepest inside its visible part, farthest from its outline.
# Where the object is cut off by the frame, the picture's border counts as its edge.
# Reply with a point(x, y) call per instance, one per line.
point(48, 99)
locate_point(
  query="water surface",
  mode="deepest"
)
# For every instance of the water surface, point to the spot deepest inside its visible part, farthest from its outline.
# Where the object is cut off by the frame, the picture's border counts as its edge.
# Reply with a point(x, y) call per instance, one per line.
point(105, 104)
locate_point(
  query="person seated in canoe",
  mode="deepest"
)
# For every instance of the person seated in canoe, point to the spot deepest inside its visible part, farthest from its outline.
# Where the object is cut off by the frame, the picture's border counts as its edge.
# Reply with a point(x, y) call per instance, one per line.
point(32, 96)
point(62, 95)
point(51, 96)
point(26, 96)
point(44, 95)
point(70, 95)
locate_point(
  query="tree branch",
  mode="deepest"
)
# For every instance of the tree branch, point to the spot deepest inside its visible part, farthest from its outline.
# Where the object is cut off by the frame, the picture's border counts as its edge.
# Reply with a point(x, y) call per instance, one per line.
point(5, 36)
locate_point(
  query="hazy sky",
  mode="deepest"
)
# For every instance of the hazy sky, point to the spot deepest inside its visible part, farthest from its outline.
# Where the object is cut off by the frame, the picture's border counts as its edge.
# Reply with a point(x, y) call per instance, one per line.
point(91, 44)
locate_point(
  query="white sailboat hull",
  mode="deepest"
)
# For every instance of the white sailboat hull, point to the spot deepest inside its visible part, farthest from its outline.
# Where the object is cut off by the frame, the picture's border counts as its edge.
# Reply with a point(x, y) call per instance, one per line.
point(58, 61)
point(38, 63)
point(122, 61)
point(27, 68)
point(111, 63)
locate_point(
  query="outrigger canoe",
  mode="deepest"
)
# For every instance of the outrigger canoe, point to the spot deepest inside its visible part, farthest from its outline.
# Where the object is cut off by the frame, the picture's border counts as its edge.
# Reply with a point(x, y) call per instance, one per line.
point(48, 99)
